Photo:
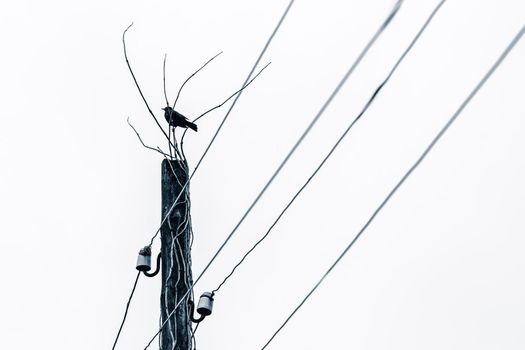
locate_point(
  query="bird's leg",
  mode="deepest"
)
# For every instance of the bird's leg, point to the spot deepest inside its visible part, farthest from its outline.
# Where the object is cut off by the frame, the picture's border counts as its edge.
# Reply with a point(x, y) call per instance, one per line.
point(169, 141)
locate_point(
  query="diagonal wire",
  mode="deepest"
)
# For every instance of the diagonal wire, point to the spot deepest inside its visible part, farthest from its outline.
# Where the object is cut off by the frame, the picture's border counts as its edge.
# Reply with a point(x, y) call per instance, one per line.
point(245, 82)
point(281, 20)
point(126, 312)
point(343, 135)
point(407, 174)
point(307, 130)
point(384, 24)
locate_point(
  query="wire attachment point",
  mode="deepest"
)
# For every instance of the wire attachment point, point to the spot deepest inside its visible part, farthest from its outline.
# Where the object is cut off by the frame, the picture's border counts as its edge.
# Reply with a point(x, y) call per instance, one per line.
point(144, 259)
point(144, 262)
point(204, 308)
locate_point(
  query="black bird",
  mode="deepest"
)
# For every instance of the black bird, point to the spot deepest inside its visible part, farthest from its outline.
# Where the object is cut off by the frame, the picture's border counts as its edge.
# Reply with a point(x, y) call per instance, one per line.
point(174, 119)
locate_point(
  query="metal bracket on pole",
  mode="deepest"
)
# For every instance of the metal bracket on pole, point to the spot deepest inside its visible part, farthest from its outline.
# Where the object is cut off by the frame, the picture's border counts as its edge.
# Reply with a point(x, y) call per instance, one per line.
point(157, 269)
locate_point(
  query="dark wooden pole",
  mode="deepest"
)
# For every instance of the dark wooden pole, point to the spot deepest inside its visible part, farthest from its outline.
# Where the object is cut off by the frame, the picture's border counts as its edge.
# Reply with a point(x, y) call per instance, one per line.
point(176, 238)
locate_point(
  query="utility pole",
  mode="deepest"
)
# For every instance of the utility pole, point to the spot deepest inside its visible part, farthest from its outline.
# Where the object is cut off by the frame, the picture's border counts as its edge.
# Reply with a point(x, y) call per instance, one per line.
point(176, 236)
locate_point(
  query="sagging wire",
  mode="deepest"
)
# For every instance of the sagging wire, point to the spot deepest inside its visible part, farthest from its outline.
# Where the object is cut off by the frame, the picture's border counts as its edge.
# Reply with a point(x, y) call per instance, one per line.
point(380, 30)
point(308, 129)
point(339, 140)
point(404, 178)
point(126, 311)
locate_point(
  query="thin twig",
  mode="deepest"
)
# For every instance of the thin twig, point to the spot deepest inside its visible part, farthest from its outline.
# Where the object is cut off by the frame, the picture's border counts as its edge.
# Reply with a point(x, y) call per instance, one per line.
point(176, 148)
point(137, 84)
point(164, 79)
point(167, 102)
point(143, 144)
point(170, 131)
point(218, 106)
point(233, 95)
point(191, 76)
point(169, 142)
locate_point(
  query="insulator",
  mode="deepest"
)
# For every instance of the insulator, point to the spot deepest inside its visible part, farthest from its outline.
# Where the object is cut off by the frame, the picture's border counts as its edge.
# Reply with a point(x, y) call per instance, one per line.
point(144, 260)
point(205, 305)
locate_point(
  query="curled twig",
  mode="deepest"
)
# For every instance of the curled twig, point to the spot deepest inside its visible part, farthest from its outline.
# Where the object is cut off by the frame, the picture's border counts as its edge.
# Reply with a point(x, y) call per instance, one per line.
point(137, 84)
point(218, 106)
point(143, 144)
point(191, 76)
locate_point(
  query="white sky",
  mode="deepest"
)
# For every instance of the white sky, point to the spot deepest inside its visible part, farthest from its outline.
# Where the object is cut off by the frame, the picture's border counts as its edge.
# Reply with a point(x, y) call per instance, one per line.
point(440, 268)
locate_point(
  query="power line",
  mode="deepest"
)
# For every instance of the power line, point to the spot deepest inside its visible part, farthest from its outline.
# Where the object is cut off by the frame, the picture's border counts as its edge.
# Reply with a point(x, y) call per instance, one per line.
point(247, 78)
point(407, 174)
point(343, 135)
point(126, 312)
point(383, 26)
point(307, 130)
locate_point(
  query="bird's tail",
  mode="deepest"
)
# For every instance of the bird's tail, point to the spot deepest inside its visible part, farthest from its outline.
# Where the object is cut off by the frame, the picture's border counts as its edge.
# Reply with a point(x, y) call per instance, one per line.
point(192, 126)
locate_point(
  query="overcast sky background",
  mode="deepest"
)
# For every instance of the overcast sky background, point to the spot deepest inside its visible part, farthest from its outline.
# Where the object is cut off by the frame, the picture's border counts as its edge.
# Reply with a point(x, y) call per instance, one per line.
point(440, 268)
